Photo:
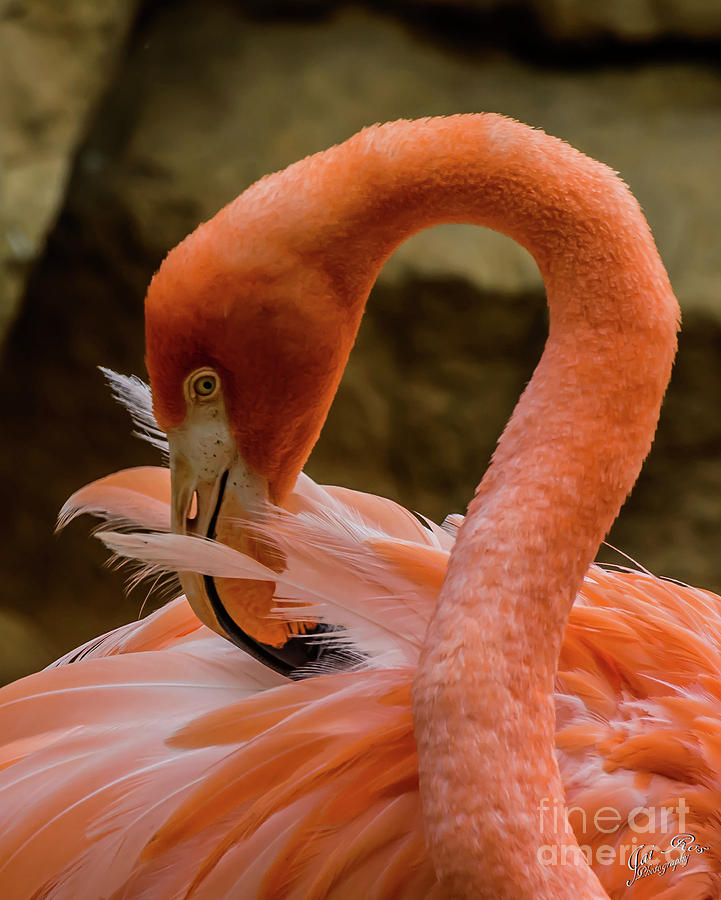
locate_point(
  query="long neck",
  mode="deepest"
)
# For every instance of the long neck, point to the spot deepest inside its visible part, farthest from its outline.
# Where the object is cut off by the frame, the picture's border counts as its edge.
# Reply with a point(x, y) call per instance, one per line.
point(483, 697)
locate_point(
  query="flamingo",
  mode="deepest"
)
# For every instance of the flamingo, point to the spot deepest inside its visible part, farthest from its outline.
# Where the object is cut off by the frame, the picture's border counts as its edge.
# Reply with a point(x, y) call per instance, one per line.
point(348, 701)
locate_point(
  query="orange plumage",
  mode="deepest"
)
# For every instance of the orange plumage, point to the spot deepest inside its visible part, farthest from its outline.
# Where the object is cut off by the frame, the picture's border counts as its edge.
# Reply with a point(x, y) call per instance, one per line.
point(162, 761)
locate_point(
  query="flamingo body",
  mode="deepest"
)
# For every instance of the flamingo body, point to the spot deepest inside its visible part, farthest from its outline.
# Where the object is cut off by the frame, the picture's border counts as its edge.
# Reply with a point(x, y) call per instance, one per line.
point(158, 762)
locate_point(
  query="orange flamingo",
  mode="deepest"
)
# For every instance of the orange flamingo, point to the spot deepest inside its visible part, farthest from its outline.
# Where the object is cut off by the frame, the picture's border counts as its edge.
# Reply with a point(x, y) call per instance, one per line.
point(389, 729)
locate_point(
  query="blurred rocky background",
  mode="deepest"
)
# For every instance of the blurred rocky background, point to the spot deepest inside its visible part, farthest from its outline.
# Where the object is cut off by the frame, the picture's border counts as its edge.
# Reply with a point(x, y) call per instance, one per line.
point(126, 123)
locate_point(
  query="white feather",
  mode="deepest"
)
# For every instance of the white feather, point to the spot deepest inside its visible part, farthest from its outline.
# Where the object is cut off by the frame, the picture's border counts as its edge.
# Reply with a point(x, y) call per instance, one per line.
point(135, 396)
point(333, 574)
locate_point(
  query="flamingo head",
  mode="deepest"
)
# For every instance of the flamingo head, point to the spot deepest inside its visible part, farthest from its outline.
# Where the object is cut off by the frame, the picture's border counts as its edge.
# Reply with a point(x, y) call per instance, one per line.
point(246, 342)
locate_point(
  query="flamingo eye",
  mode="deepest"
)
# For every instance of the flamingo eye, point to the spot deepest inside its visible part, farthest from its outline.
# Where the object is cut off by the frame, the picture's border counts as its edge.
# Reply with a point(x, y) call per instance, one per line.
point(204, 385)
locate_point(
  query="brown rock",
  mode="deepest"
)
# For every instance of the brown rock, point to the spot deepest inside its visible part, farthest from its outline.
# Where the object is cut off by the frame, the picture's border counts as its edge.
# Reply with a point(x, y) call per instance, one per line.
point(213, 114)
point(56, 58)
point(630, 20)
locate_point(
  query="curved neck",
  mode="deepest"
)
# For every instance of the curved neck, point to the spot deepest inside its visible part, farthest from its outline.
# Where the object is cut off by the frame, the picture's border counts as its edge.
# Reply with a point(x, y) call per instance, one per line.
point(613, 316)
point(483, 697)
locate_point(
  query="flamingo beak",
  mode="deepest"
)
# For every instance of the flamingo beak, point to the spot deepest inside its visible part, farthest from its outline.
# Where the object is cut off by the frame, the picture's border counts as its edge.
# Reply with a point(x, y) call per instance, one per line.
point(213, 494)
